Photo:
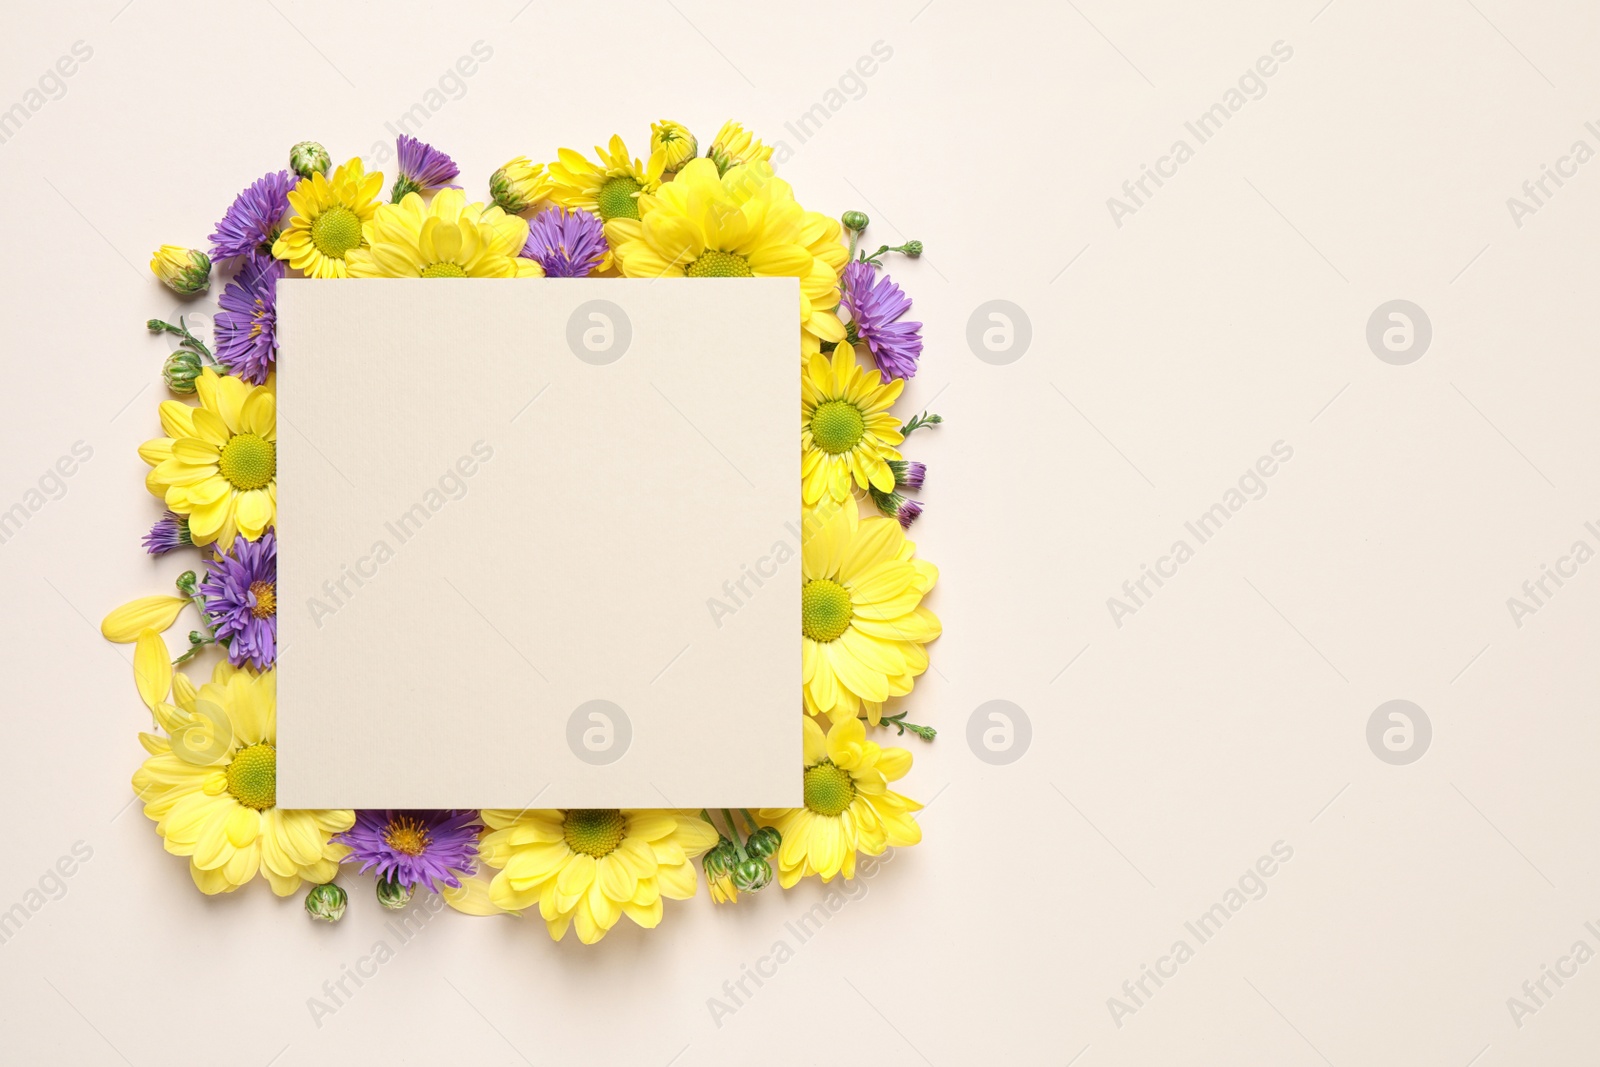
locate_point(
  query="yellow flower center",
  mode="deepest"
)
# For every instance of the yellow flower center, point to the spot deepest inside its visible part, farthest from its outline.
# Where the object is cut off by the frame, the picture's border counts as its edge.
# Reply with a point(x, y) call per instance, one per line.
point(593, 831)
point(714, 264)
point(248, 461)
point(829, 790)
point(616, 200)
point(837, 426)
point(825, 609)
point(266, 594)
point(253, 777)
point(444, 270)
point(336, 231)
point(405, 834)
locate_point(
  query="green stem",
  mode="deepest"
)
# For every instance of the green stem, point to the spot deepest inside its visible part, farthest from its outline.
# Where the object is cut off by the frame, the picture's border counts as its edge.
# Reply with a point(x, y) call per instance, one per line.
point(882, 250)
point(205, 616)
point(190, 341)
point(733, 828)
point(194, 648)
point(927, 733)
point(917, 422)
point(187, 586)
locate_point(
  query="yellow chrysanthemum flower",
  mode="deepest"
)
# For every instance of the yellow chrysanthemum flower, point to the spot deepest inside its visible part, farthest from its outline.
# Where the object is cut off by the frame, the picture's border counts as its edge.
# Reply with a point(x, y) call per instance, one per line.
point(735, 145)
point(518, 185)
point(849, 807)
point(609, 188)
point(448, 238)
point(860, 611)
point(675, 143)
point(183, 270)
point(329, 214)
point(744, 224)
point(211, 785)
point(218, 463)
point(846, 430)
point(590, 867)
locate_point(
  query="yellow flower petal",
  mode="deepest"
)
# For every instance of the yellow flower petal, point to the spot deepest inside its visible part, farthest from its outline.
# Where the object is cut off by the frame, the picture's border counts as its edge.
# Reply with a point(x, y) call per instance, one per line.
point(473, 898)
point(125, 624)
point(152, 668)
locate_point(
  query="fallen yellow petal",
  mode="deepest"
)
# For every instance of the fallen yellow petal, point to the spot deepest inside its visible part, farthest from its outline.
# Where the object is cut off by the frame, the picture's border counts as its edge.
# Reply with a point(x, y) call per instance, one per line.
point(147, 613)
point(152, 668)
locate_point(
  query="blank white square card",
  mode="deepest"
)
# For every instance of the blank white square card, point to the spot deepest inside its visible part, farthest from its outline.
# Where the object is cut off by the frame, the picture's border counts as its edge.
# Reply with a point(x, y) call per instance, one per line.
point(509, 510)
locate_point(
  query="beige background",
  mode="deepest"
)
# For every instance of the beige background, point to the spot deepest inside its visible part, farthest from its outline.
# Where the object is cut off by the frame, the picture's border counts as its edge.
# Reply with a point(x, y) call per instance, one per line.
point(536, 629)
point(1167, 355)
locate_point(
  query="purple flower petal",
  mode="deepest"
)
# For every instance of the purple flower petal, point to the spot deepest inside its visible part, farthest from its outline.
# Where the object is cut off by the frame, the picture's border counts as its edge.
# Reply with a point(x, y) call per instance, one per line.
point(414, 847)
point(566, 244)
point(875, 306)
point(170, 532)
point(423, 166)
point(241, 594)
point(247, 326)
point(253, 221)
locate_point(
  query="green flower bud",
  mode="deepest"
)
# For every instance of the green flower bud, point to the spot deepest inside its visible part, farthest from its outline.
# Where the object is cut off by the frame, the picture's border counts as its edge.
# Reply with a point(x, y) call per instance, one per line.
point(735, 146)
point(186, 581)
point(764, 842)
point(518, 185)
point(855, 221)
point(912, 249)
point(722, 858)
point(675, 143)
point(752, 876)
point(393, 895)
point(719, 864)
point(184, 270)
point(180, 370)
point(308, 158)
point(326, 902)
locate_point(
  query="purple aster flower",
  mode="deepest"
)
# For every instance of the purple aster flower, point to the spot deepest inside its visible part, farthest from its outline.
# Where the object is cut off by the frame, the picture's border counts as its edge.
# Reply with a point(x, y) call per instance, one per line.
point(907, 513)
point(170, 532)
point(896, 506)
point(414, 847)
point(252, 223)
point(567, 244)
point(909, 474)
point(247, 326)
point(422, 167)
point(241, 595)
point(875, 305)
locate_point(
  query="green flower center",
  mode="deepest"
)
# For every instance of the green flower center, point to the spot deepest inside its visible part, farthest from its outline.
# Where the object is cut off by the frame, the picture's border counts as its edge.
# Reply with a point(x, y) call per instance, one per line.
point(248, 461)
point(253, 777)
point(444, 270)
point(336, 231)
point(594, 831)
point(616, 200)
point(837, 426)
point(714, 264)
point(829, 790)
point(405, 834)
point(825, 610)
